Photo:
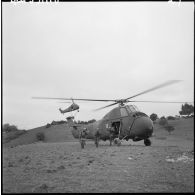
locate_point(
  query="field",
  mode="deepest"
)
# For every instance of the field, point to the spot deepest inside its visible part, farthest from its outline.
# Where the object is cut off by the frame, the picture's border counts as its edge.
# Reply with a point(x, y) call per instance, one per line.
point(62, 166)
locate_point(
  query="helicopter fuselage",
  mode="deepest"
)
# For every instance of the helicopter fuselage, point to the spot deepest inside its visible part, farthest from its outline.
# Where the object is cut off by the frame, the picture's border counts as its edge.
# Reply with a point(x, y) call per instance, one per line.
point(127, 122)
point(71, 108)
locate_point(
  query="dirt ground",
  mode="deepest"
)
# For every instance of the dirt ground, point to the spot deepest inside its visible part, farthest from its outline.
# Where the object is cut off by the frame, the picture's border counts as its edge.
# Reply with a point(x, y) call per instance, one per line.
point(166, 166)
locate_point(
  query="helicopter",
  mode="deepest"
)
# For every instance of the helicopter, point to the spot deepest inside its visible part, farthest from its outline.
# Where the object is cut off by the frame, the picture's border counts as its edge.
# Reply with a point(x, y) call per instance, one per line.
point(71, 108)
point(121, 123)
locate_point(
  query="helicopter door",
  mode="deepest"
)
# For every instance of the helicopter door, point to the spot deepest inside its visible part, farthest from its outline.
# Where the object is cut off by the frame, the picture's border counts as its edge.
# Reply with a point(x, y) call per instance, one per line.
point(116, 125)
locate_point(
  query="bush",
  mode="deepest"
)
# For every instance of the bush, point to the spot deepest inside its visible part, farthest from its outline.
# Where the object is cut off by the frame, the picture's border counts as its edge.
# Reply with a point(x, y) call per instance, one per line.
point(12, 135)
point(169, 128)
point(48, 125)
point(58, 122)
point(40, 136)
point(163, 121)
point(61, 122)
point(85, 122)
point(177, 117)
point(153, 116)
point(170, 118)
point(54, 123)
point(91, 121)
point(186, 117)
point(9, 128)
point(186, 109)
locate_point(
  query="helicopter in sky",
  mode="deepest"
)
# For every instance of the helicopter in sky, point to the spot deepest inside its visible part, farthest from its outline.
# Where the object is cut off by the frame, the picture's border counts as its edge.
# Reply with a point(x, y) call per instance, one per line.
point(71, 108)
point(124, 122)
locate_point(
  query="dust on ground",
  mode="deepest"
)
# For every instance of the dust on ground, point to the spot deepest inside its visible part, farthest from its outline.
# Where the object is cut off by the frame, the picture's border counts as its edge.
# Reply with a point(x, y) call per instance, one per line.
point(132, 167)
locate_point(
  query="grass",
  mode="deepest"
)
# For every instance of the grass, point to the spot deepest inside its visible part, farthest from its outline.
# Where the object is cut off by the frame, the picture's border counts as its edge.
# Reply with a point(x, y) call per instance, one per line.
point(61, 132)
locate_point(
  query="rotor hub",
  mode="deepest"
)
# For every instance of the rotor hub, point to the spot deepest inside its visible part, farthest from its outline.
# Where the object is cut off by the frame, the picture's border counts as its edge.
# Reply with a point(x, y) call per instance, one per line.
point(121, 102)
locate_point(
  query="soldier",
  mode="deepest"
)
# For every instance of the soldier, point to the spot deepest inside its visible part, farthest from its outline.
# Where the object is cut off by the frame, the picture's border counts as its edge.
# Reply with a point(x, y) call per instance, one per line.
point(82, 137)
point(97, 138)
point(111, 131)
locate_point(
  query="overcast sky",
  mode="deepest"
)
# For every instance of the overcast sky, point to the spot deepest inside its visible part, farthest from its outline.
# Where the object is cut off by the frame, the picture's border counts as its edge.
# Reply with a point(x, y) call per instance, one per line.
point(104, 50)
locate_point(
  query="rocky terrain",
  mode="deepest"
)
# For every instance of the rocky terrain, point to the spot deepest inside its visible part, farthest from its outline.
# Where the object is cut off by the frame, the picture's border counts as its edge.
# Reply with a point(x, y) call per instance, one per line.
point(62, 166)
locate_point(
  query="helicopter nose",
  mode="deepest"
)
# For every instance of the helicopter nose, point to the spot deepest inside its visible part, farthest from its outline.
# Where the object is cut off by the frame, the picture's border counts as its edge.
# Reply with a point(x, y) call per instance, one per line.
point(142, 127)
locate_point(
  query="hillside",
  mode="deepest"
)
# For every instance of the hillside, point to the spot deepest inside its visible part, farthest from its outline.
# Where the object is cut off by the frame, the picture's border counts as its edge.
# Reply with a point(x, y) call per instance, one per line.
point(56, 133)
point(184, 129)
point(61, 133)
point(8, 136)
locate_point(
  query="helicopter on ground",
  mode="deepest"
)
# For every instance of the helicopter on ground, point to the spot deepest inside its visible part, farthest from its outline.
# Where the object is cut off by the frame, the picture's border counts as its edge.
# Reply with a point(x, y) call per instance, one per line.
point(121, 123)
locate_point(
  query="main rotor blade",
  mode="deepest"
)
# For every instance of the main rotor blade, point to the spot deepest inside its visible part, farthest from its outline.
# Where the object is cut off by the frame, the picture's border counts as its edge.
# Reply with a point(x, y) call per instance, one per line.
point(160, 102)
point(71, 102)
point(64, 102)
point(99, 100)
point(105, 106)
point(154, 88)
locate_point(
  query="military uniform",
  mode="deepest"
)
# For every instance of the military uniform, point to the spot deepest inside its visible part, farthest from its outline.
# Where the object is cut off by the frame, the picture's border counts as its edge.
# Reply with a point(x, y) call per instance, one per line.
point(82, 137)
point(111, 131)
point(97, 137)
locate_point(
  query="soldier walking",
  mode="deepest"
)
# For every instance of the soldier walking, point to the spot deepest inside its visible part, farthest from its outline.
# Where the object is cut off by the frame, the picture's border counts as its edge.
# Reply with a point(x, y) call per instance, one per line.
point(82, 137)
point(97, 138)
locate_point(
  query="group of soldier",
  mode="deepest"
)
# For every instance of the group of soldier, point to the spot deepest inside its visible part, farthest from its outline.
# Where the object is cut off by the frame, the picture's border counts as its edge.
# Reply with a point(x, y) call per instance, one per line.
point(83, 134)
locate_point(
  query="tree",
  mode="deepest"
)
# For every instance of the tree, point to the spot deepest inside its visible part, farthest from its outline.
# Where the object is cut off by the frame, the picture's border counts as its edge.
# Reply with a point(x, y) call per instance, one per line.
point(170, 118)
point(9, 128)
point(153, 116)
point(48, 125)
point(40, 136)
point(186, 109)
point(163, 121)
point(169, 128)
point(91, 121)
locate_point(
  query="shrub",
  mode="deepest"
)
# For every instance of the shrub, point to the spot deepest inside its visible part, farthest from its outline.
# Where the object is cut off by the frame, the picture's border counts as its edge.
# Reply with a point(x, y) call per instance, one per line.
point(163, 121)
point(54, 123)
point(91, 121)
point(177, 117)
point(153, 116)
point(9, 128)
point(85, 122)
point(40, 136)
point(170, 118)
point(48, 125)
point(12, 135)
point(169, 128)
point(61, 122)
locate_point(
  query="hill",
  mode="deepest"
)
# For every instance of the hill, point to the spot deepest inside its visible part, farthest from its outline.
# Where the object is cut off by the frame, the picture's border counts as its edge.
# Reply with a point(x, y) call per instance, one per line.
point(184, 130)
point(8, 136)
point(55, 133)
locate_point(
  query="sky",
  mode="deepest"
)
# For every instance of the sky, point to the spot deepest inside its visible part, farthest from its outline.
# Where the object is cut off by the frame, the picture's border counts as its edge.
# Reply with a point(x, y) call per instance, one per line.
point(98, 50)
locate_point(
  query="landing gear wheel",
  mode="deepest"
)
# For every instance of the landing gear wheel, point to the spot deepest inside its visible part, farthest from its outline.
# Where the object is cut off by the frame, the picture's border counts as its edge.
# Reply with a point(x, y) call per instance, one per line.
point(147, 142)
point(117, 141)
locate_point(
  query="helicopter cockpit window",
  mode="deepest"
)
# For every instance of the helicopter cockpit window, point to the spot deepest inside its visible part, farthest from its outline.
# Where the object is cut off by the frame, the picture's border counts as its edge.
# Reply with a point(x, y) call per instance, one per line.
point(123, 112)
point(132, 108)
point(136, 108)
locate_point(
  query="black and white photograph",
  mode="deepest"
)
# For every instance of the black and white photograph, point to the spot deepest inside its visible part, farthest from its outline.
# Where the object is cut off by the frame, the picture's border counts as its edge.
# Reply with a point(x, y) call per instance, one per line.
point(97, 97)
